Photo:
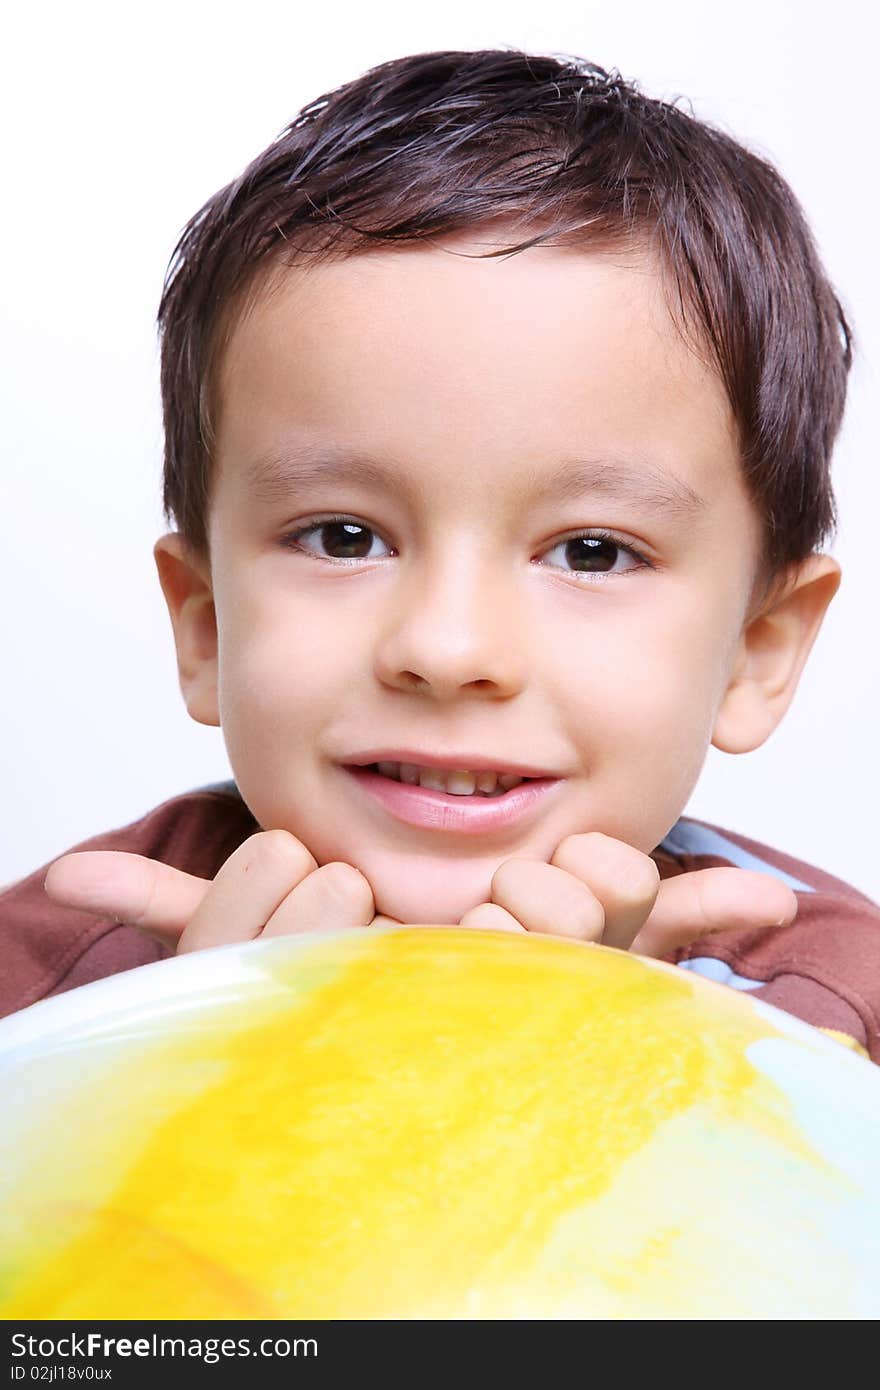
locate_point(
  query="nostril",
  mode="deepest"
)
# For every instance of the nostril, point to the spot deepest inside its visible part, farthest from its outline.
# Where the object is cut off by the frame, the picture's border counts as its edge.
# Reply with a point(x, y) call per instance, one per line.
point(412, 681)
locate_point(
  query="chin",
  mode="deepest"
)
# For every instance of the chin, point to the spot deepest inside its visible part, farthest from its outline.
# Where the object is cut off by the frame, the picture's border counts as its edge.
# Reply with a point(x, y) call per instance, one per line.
point(433, 894)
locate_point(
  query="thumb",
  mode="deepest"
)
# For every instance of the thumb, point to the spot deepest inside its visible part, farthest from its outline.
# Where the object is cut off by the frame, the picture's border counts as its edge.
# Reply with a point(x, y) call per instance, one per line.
point(128, 888)
point(710, 900)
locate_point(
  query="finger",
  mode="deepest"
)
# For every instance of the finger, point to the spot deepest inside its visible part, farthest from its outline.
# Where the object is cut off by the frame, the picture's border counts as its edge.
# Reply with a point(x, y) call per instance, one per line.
point(334, 897)
point(544, 898)
point(128, 888)
point(624, 880)
point(490, 917)
point(249, 887)
point(709, 900)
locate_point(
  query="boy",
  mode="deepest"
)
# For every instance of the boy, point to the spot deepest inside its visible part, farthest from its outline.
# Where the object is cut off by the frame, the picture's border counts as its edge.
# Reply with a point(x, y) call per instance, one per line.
point(499, 402)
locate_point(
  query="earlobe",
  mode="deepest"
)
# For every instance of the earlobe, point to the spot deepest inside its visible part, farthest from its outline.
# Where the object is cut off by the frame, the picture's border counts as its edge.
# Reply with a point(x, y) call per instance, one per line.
point(186, 583)
point(771, 654)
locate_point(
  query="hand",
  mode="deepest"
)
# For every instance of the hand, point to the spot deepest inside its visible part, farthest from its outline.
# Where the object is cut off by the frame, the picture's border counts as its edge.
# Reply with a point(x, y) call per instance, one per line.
point(270, 886)
point(595, 889)
point(599, 889)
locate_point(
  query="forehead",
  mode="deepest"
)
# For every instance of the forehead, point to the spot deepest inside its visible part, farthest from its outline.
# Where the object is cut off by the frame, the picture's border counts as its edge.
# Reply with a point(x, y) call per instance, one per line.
point(448, 361)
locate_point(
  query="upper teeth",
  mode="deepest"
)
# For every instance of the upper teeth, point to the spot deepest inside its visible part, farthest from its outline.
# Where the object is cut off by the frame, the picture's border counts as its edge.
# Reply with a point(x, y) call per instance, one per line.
point(457, 783)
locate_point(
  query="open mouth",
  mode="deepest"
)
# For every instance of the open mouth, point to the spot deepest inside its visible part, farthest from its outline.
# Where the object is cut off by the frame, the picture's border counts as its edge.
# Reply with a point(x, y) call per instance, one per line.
point(460, 801)
point(459, 782)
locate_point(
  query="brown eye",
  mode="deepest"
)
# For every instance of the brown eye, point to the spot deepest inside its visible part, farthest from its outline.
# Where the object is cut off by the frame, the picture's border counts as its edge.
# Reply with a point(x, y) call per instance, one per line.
point(596, 554)
point(346, 540)
point(590, 553)
point(340, 538)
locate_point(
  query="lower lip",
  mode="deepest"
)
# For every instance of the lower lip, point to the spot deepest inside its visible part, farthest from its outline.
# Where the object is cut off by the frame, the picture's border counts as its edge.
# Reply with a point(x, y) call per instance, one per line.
point(461, 815)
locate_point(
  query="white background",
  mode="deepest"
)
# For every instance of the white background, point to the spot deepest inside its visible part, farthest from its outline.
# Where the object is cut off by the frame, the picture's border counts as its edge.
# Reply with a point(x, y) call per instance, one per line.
point(116, 126)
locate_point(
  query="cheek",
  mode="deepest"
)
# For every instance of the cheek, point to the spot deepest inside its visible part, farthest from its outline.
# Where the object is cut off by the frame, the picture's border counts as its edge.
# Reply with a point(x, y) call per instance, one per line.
point(282, 656)
point(639, 690)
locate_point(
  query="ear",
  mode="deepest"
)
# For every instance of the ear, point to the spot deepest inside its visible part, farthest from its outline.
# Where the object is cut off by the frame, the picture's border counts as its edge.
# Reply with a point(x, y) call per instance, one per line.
point(186, 584)
point(772, 650)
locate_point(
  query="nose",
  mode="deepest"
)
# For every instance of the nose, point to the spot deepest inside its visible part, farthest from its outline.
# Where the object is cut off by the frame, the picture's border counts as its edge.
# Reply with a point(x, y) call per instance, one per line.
point(453, 627)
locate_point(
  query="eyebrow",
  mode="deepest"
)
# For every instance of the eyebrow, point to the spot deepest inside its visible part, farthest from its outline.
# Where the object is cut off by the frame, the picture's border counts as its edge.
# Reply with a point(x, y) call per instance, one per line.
point(638, 483)
point(274, 476)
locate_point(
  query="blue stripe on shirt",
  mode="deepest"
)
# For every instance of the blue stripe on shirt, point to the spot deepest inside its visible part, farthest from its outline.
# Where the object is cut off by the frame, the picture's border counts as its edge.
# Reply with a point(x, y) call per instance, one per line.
point(689, 837)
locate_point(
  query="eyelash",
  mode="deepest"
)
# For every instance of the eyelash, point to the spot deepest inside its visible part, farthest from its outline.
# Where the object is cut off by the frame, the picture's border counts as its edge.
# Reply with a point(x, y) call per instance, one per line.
point(292, 540)
point(597, 533)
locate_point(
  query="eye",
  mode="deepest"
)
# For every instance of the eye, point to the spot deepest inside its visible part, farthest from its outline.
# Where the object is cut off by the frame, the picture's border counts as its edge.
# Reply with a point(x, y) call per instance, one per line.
point(595, 553)
point(339, 538)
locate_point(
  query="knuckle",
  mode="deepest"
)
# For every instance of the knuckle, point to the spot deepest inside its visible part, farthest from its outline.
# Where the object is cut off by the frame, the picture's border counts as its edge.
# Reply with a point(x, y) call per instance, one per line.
point(490, 917)
point(632, 875)
point(577, 844)
point(148, 894)
point(641, 881)
point(580, 910)
point(592, 839)
point(482, 915)
point(344, 881)
point(273, 851)
point(705, 900)
point(588, 848)
point(510, 875)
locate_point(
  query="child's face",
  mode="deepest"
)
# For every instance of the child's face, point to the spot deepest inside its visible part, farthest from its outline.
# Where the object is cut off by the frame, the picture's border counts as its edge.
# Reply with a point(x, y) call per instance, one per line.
point(506, 407)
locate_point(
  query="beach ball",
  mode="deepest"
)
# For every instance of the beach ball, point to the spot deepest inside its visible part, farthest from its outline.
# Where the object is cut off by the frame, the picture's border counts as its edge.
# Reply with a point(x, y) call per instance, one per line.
point(432, 1123)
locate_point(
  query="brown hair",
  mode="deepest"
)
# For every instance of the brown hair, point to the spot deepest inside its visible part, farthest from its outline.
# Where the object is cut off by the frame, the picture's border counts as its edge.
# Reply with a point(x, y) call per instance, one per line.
point(439, 142)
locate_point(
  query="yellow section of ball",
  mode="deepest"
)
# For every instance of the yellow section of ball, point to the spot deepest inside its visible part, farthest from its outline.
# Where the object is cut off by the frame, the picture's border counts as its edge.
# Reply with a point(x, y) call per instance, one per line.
point(443, 1124)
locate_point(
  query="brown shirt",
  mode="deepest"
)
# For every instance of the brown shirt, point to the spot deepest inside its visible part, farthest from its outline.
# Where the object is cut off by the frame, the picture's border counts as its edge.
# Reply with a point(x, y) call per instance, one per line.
point(824, 968)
